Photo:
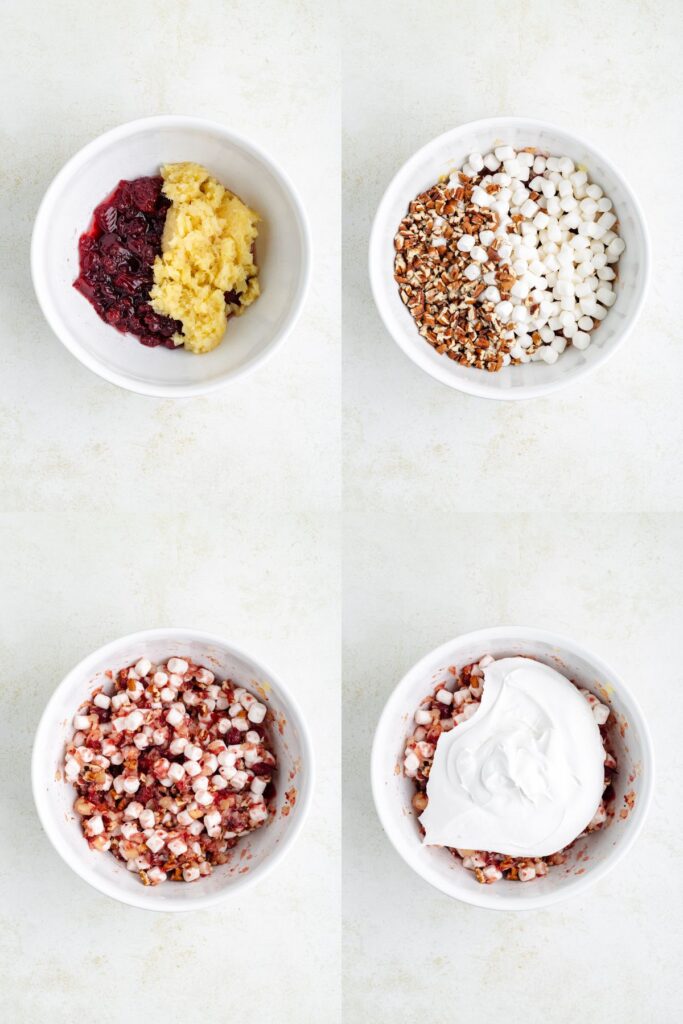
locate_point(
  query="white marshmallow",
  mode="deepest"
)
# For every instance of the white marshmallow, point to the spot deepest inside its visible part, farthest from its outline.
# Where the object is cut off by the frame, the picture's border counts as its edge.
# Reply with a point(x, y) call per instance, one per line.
point(175, 716)
point(177, 666)
point(142, 667)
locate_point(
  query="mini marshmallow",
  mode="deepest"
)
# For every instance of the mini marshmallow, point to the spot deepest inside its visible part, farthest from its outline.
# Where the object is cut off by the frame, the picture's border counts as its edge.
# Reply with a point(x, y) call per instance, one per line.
point(257, 813)
point(227, 758)
point(177, 666)
point(175, 716)
point(134, 720)
point(480, 197)
point(519, 290)
point(156, 841)
point(192, 768)
point(600, 713)
point(607, 220)
point(94, 826)
point(491, 872)
point(177, 847)
point(239, 779)
point(211, 819)
point(129, 829)
point(178, 745)
point(142, 667)
point(256, 714)
point(606, 296)
point(147, 818)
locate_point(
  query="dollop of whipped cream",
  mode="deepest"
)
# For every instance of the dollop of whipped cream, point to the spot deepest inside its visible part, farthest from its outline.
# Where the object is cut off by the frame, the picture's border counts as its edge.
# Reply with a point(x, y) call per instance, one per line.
point(524, 775)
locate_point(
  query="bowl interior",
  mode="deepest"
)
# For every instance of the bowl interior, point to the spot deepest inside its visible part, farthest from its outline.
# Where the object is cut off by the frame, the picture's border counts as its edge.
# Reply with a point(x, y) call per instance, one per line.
point(67, 212)
point(393, 792)
point(448, 152)
point(55, 796)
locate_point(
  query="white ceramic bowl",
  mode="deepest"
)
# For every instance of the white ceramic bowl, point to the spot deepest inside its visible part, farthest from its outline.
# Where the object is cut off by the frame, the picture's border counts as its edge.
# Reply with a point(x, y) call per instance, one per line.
point(54, 797)
point(139, 148)
point(591, 858)
point(448, 152)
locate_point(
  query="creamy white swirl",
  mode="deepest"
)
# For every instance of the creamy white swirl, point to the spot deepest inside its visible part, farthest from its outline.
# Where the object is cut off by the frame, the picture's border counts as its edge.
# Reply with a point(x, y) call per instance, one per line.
point(524, 774)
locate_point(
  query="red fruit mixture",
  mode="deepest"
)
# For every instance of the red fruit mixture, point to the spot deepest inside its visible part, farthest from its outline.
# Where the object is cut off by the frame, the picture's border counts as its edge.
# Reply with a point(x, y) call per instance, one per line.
point(117, 255)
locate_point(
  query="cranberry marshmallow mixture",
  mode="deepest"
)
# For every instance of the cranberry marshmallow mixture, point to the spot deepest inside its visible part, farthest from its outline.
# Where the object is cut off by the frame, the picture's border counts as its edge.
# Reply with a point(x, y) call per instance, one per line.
point(511, 765)
point(171, 768)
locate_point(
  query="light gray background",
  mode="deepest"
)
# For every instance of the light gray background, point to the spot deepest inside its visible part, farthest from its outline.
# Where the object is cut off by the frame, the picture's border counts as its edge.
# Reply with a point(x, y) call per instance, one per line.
point(565, 512)
point(121, 512)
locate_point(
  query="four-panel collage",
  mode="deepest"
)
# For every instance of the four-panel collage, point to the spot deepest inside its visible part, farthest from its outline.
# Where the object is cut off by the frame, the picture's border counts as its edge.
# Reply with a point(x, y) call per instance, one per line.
point(342, 520)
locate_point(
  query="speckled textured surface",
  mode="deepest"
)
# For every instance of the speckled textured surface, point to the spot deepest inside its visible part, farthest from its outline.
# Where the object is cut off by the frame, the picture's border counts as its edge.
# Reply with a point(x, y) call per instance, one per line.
point(121, 513)
point(565, 513)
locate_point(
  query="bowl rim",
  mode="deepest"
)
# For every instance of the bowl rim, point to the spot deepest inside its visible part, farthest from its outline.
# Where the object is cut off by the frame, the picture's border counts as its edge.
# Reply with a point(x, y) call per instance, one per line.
point(486, 899)
point(476, 386)
point(145, 900)
point(41, 226)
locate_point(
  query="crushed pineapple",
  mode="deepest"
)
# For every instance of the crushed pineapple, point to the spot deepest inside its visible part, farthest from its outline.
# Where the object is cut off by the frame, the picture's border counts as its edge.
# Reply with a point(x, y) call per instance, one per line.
point(206, 252)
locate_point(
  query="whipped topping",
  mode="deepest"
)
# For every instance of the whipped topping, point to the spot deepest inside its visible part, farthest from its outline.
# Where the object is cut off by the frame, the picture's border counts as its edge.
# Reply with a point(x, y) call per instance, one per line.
point(524, 775)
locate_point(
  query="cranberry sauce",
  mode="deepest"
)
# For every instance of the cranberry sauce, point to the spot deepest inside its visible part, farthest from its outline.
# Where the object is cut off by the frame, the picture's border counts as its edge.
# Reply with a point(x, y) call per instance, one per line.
point(116, 256)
